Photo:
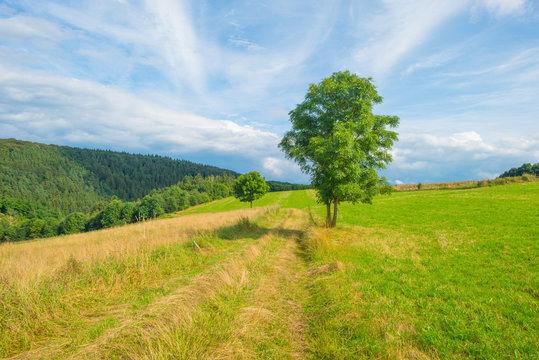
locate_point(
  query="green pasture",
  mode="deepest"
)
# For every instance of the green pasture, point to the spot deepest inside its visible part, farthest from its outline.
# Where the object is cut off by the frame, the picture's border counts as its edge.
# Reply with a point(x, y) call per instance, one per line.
point(427, 274)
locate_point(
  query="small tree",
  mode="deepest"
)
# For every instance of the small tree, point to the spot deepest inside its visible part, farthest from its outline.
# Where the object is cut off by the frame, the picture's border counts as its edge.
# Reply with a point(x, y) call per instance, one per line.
point(336, 139)
point(73, 223)
point(249, 187)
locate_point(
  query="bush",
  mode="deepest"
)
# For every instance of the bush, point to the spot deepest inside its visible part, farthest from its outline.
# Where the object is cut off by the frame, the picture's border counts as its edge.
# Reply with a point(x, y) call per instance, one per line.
point(73, 223)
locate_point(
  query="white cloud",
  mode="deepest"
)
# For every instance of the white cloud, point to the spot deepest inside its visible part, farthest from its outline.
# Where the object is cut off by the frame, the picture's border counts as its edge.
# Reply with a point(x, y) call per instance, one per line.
point(21, 27)
point(177, 39)
point(458, 156)
point(73, 111)
point(433, 61)
point(505, 7)
point(400, 28)
point(244, 43)
point(279, 167)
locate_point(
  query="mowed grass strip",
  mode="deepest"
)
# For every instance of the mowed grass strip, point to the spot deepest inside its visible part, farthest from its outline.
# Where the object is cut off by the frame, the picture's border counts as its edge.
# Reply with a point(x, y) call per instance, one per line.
point(270, 323)
point(209, 320)
point(440, 274)
point(78, 302)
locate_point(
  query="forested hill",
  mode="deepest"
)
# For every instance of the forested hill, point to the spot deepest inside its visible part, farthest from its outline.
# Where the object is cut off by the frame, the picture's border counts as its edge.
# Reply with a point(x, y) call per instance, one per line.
point(73, 179)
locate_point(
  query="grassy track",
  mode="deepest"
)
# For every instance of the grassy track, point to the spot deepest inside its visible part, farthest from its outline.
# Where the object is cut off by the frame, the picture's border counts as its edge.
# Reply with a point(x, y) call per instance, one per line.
point(427, 275)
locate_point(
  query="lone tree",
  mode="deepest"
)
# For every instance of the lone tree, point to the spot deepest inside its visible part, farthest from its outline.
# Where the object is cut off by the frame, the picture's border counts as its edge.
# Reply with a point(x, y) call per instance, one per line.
point(337, 140)
point(249, 187)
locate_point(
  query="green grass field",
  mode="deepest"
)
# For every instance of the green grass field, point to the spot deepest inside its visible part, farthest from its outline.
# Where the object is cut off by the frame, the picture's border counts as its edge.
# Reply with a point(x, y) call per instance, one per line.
point(448, 273)
point(438, 274)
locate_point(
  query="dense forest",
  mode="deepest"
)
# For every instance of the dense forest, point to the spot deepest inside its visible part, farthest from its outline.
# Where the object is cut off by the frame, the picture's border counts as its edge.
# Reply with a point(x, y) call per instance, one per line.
point(71, 179)
point(523, 169)
point(23, 219)
point(48, 190)
point(285, 186)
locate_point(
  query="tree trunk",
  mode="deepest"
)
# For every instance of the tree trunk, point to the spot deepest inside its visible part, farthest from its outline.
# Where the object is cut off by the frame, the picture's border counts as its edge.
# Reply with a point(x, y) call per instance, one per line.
point(328, 214)
point(251, 204)
point(334, 222)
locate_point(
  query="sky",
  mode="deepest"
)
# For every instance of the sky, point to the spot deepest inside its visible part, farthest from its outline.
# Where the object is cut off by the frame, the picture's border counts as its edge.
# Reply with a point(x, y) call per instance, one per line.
point(213, 81)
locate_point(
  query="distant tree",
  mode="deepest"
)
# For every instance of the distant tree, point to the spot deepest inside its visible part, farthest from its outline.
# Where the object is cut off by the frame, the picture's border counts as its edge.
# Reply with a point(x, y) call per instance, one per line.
point(51, 227)
point(73, 223)
point(336, 139)
point(151, 206)
point(112, 215)
point(526, 168)
point(126, 214)
point(250, 187)
point(34, 228)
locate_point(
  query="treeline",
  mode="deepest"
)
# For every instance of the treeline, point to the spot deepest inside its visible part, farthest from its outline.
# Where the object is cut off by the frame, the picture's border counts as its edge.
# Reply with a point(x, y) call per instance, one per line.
point(286, 186)
point(21, 220)
point(72, 179)
point(524, 169)
point(132, 176)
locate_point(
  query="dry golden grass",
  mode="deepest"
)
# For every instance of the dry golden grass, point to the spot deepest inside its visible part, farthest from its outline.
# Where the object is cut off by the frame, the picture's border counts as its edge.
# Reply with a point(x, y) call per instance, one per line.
point(136, 337)
point(466, 184)
point(73, 319)
point(434, 186)
point(24, 262)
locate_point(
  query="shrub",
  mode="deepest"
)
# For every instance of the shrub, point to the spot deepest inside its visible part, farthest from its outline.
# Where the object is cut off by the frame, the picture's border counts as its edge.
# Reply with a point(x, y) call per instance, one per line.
point(73, 223)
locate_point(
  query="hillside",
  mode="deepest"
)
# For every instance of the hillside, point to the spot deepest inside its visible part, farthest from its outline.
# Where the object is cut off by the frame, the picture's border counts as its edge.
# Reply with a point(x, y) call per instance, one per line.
point(437, 274)
point(73, 179)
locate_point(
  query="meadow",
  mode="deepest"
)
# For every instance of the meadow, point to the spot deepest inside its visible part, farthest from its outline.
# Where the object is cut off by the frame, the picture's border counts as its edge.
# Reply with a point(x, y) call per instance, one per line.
point(436, 274)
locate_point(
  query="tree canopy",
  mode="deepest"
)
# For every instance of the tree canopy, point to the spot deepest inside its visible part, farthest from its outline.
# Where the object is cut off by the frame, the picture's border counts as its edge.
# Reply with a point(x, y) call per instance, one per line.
point(526, 168)
point(249, 187)
point(336, 139)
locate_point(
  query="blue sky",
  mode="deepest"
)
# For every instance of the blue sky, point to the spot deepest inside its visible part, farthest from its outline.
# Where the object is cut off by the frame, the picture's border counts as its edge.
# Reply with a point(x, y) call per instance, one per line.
point(213, 81)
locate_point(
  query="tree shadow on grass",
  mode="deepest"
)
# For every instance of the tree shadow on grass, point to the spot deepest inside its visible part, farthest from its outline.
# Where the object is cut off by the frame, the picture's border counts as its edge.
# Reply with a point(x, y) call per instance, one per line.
point(244, 228)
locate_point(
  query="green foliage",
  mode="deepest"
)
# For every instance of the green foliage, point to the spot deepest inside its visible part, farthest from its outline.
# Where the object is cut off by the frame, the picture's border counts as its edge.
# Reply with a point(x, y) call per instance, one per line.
point(337, 140)
point(73, 223)
point(249, 187)
point(113, 215)
point(150, 207)
point(285, 186)
point(523, 169)
point(132, 176)
point(72, 179)
point(41, 184)
point(20, 220)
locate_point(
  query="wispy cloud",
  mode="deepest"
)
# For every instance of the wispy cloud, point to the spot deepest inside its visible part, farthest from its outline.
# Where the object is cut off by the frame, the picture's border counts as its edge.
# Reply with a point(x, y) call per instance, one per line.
point(161, 76)
point(399, 28)
point(177, 40)
point(505, 7)
point(22, 27)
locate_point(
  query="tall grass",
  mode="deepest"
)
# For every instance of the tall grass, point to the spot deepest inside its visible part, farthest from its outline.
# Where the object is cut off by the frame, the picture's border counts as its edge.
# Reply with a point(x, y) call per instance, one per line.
point(69, 290)
point(24, 262)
